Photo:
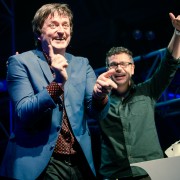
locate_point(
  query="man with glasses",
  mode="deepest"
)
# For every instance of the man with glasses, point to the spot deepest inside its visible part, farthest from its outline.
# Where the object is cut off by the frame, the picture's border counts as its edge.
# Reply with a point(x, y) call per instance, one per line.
point(128, 132)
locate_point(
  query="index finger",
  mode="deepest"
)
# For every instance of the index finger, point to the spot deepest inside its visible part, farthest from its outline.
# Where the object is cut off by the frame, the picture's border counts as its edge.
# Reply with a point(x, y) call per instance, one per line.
point(109, 73)
point(51, 52)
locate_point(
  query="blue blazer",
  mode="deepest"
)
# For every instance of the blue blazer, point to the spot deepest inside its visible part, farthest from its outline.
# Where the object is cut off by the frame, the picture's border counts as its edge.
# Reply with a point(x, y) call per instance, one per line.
point(37, 119)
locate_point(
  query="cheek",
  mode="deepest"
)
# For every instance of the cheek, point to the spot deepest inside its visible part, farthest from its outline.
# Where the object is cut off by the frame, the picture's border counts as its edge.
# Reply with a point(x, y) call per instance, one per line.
point(68, 33)
point(47, 33)
point(69, 39)
point(45, 37)
point(112, 77)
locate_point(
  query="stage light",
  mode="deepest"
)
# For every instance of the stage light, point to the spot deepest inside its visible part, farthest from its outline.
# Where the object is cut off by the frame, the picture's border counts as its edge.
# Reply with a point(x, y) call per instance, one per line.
point(150, 35)
point(137, 34)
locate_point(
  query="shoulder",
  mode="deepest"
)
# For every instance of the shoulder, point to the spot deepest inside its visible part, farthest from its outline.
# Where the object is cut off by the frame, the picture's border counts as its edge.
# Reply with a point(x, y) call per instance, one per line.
point(79, 63)
point(27, 56)
point(71, 57)
point(23, 54)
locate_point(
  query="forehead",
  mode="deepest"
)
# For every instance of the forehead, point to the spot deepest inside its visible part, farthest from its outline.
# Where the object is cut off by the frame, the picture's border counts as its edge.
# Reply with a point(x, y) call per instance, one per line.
point(57, 16)
point(119, 57)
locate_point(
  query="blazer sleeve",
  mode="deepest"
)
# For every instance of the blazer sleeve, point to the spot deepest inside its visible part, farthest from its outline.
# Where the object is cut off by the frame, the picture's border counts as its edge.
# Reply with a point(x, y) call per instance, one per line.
point(27, 90)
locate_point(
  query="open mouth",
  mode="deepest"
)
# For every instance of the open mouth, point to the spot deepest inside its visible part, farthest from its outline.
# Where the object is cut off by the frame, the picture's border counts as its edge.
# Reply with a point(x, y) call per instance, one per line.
point(120, 76)
point(60, 39)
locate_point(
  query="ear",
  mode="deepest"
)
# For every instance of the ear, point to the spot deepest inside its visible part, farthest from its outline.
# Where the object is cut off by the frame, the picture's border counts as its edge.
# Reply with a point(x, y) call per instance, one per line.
point(132, 69)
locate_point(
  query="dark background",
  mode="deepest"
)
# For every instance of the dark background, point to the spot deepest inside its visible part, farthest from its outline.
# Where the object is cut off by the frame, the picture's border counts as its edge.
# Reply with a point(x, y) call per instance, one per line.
point(101, 24)
point(98, 25)
point(140, 25)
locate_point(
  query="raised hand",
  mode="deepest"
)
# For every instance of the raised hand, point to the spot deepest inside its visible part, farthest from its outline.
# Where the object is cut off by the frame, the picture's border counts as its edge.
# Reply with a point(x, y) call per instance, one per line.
point(58, 65)
point(104, 84)
point(175, 21)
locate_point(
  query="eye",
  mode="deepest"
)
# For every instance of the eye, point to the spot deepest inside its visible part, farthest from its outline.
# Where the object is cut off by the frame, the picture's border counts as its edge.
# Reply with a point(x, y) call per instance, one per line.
point(65, 25)
point(113, 64)
point(52, 26)
point(123, 63)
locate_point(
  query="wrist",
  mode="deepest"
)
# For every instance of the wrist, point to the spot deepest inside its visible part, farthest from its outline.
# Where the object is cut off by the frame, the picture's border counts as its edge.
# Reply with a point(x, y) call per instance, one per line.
point(99, 96)
point(177, 32)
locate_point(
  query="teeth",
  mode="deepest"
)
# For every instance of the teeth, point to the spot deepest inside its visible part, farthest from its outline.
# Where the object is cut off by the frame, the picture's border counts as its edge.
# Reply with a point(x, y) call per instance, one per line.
point(59, 38)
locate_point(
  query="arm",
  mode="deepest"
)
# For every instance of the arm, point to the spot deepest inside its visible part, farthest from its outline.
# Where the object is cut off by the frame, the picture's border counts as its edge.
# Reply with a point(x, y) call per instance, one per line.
point(174, 44)
point(26, 87)
point(169, 64)
point(102, 88)
point(103, 85)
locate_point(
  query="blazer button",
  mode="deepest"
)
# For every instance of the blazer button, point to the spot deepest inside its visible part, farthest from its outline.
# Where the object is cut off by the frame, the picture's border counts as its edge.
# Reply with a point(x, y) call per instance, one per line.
point(58, 128)
point(60, 107)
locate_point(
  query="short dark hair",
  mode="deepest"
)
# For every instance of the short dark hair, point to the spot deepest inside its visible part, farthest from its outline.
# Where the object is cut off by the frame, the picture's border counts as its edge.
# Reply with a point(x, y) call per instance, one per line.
point(118, 50)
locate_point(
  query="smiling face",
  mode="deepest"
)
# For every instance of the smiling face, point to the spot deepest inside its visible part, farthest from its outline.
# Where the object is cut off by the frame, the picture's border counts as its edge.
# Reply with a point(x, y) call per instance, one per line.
point(56, 30)
point(124, 70)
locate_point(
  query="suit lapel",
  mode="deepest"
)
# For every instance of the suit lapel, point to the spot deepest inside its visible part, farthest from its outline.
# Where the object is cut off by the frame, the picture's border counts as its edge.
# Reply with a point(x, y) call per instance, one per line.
point(69, 58)
point(44, 66)
point(46, 70)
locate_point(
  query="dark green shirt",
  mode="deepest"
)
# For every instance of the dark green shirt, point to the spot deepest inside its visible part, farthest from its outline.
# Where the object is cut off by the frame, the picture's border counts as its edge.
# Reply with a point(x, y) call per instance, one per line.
point(129, 132)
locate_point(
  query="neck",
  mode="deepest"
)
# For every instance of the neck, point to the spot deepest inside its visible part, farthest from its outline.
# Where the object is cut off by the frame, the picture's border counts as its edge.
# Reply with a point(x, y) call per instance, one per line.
point(57, 51)
point(123, 88)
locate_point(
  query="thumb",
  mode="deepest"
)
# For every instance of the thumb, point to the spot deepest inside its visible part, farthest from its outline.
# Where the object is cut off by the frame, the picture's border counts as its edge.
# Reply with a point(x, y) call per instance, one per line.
point(171, 15)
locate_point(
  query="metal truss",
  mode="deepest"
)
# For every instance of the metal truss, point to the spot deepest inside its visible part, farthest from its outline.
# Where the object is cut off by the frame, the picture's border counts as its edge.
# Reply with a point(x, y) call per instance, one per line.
point(7, 44)
point(7, 33)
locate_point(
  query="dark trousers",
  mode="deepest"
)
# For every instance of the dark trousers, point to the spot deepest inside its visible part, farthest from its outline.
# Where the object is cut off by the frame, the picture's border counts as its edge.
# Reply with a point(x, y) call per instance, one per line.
point(64, 167)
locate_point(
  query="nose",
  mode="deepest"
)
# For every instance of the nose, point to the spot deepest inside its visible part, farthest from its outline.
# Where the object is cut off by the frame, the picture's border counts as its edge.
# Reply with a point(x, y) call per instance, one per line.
point(119, 68)
point(60, 29)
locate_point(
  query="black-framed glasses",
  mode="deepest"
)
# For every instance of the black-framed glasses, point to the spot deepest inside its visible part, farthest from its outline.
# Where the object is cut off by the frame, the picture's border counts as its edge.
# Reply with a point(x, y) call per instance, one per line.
point(114, 65)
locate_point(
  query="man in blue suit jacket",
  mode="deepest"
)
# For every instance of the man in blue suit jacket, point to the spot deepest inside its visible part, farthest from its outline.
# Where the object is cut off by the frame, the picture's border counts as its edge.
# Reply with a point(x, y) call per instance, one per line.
point(53, 93)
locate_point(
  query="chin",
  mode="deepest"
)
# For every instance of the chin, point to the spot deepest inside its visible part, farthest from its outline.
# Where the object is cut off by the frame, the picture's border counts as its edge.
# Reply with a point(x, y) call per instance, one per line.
point(59, 45)
point(57, 48)
point(120, 83)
